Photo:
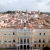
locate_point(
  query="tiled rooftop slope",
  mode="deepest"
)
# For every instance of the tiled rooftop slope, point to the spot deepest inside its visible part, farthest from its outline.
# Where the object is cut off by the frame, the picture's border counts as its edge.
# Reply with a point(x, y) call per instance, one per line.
point(31, 20)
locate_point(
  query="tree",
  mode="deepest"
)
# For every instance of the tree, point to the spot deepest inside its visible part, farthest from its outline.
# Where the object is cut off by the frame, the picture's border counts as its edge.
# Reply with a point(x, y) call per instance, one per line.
point(0, 48)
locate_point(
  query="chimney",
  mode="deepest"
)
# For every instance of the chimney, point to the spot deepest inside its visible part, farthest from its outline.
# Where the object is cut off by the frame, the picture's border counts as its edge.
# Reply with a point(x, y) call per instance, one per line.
point(25, 24)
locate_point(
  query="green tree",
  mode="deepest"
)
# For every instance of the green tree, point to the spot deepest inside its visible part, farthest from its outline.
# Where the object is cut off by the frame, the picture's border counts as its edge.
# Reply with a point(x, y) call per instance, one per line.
point(0, 48)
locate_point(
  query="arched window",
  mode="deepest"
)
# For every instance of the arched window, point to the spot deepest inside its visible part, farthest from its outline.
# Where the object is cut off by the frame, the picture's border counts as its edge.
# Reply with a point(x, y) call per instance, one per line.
point(39, 45)
point(24, 40)
point(44, 33)
point(40, 33)
point(13, 40)
point(18, 47)
point(43, 40)
point(21, 41)
point(28, 46)
point(13, 33)
point(21, 46)
point(43, 45)
point(35, 45)
point(39, 40)
point(27, 40)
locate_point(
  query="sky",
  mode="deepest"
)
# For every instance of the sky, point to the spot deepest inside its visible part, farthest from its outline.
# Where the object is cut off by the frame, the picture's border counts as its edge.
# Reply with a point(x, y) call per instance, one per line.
point(22, 5)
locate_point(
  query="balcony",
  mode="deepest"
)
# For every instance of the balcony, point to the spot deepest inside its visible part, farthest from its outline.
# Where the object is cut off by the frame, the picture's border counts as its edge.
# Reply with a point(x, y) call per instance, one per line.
point(25, 43)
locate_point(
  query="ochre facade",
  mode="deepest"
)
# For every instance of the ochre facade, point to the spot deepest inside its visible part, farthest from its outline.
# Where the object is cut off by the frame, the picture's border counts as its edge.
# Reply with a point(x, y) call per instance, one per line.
point(28, 38)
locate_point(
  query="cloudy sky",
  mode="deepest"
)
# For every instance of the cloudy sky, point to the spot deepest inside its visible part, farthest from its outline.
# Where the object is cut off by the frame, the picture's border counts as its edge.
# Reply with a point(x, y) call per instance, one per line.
point(22, 5)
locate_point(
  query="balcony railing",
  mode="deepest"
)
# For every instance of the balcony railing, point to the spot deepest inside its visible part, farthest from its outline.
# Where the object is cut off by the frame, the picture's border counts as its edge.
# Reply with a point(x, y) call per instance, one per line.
point(24, 43)
point(41, 42)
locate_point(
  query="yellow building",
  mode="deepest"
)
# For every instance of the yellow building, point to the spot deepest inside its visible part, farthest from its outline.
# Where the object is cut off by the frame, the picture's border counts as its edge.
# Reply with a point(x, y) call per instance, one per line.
point(24, 38)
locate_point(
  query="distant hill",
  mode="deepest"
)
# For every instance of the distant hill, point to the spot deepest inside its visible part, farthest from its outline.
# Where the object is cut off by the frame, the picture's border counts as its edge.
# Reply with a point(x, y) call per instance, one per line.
point(24, 12)
point(45, 13)
point(9, 12)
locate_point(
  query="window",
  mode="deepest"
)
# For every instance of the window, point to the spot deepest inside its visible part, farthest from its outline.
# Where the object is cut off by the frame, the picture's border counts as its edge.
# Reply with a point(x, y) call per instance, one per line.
point(24, 33)
point(49, 41)
point(34, 45)
point(0, 41)
point(18, 39)
point(14, 45)
point(21, 41)
point(5, 41)
point(40, 33)
point(43, 45)
point(9, 34)
point(44, 33)
point(5, 45)
point(43, 40)
point(4, 34)
point(13, 40)
point(35, 41)
point(28, 40)
point(39, 45)
point(9, 45)
point(18, 42)
point(18, 47)
point(9, 41)
point(39, 40)
point(24, 40)
point(13, 33)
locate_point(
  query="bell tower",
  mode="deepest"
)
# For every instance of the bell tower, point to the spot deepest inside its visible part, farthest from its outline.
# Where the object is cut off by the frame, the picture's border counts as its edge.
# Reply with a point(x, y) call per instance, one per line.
point(24, 24)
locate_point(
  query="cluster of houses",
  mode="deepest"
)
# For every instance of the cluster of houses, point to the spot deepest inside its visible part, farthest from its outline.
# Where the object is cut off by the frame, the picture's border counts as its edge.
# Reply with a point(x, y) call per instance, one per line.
point(24, 30)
